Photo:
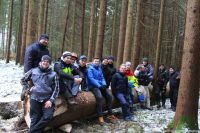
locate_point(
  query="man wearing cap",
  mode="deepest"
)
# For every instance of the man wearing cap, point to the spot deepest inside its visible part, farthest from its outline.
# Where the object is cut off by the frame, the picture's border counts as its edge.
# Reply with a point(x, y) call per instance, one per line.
point(83, 69)
point(69, 77)
point(35, 51)
point(43, 94)
point(33, 55)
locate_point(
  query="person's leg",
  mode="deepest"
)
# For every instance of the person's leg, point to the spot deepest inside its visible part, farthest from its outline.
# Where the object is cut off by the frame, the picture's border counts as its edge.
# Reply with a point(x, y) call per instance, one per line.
point(124, 105)
point(108, 97)
point(157, 95)
point(35, 113)
point(147, 97)
point(175, 97)
point(46, 117)
point(163, 97)
point(171, 94)
point(99, 100)
point(75, 87)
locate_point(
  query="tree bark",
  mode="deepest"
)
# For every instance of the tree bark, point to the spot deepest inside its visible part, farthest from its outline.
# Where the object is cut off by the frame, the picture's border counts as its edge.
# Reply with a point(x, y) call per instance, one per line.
point(101, 29)
point(19, 33)
point(82, 27)
point(187, 107)
point(24, 30)
point(46, 15)
point(73, 26)
point(137, 35)
point(65, 28)
point(122, 33)
point(114, 44)
point(9, 32)
point(159, 38)
point(31, 34)
point(128, 39)
point(41, 25)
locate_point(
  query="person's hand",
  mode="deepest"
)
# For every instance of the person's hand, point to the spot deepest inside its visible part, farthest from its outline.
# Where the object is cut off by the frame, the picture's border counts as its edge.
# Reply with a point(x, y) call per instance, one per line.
point(77, 80)
point(48, 104)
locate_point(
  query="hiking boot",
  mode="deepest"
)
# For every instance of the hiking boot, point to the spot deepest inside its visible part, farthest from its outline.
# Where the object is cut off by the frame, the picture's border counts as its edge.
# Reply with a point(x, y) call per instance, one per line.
point(112, 118)
point(71, 101)
point(101, 120)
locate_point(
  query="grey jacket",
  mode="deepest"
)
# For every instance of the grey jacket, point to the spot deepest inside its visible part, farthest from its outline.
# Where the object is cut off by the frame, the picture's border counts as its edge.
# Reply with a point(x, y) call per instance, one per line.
point(45, 84)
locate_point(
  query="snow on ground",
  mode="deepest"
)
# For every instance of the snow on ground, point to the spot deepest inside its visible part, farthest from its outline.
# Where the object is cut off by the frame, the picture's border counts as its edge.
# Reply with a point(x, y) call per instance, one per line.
point(10, 89)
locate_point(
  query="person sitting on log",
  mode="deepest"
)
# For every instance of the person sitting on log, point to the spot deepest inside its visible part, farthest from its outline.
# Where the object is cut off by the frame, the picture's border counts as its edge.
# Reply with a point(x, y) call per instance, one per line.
point(69, 77)
point(42, 95)
point(96, 83)
point(121, 91)
point(83, 69)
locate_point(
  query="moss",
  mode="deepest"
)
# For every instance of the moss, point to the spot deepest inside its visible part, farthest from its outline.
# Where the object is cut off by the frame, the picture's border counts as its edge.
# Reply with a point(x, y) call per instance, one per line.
point(186, 122)
point(170, 125)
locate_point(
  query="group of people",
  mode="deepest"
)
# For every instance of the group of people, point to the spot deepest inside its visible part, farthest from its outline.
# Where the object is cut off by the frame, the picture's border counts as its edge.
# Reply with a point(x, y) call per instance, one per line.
point(72, 74)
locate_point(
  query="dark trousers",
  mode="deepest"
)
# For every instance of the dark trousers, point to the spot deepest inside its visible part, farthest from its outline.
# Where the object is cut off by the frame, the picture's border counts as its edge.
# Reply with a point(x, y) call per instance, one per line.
point(160, 94)
point(173, 96)
point(124, 103)
point(40, 116)
point(99, 94)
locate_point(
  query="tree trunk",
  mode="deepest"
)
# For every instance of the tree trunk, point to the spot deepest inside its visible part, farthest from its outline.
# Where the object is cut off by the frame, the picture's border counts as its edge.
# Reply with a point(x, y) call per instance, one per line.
point(24, 30)
point(159, 39)
point(41, 25)
point(65, 28)
point(128, 39)
point(91, 40)
point(137, 35)
point(3, 43)
point(73, 26)
point(19, 33)
point(101, 29)
point(187, 107)
point(122, 33)
point(31, 34)
point(114, 44)
point(82, 27)
point(46, 15)
point(9, 32)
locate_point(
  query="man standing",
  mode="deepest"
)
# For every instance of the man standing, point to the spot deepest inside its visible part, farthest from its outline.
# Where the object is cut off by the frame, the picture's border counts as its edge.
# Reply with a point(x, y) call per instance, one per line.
point(42, 95)
point(96, 83)
point(69, 77)
point(83, 69)
point(35, 52)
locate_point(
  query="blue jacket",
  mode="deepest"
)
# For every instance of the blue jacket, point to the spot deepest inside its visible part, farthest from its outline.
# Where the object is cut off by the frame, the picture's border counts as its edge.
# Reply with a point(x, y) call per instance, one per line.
point(95, 77)
point(33, 55)
point(45, 84)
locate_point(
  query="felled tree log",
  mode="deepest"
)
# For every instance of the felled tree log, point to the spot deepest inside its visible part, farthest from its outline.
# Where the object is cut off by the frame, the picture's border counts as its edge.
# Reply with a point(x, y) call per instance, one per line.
point(64, 114)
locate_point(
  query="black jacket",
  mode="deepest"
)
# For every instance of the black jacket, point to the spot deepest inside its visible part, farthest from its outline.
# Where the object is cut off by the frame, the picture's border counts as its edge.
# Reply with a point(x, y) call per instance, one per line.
point(107, 74)
point(162, 77)
point(83, 70)
point(59, 67)
point(119, 83)
point(33, 55)
point(174, 80)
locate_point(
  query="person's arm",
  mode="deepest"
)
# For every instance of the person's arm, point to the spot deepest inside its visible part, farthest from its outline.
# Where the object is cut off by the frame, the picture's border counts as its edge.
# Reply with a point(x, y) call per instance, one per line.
point(58, 69)
point(56, 90)
point(28, 59)
point(150, 72)
point(76, 71)
point(114, 82)
point(24, 80)
point(103, 82)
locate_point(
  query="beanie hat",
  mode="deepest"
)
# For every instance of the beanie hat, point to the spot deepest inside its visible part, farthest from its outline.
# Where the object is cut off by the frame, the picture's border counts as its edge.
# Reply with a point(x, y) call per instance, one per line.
point(46, 58)
point(44, 36)
point(128, 63)
point(145, 59)
point(110, 58)
point(83, 57)
point(66, 53)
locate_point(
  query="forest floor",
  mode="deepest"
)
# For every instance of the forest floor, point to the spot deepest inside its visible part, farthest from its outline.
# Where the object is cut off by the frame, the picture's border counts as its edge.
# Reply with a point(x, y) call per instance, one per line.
point(155, 120)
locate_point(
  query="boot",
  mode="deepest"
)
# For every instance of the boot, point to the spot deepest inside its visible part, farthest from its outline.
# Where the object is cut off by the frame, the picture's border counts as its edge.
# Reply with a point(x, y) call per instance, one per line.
point(112, 118)
point(71, 101)
point(101, 120)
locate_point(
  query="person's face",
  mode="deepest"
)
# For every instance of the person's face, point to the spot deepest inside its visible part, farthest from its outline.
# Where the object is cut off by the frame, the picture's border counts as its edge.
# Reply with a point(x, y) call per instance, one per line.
point(67, 60)
point(105, 62)
point(82, 62)
point(45, 64)
point(44, 41)
point(122, 69)
point(128, 67)
point(161, 67)
point(171, 70)
point(110, 61)
point(73, 59)
point(96, 62)
point(144, 63)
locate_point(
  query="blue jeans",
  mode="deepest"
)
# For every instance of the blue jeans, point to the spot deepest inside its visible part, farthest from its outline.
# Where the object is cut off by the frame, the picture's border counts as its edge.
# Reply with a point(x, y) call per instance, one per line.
point(124, 103)
point(40, 116)
point(99, 94)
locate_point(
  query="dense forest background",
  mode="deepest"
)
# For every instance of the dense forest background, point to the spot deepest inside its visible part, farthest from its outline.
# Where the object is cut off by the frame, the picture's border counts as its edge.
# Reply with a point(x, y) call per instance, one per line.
point(126, 29)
